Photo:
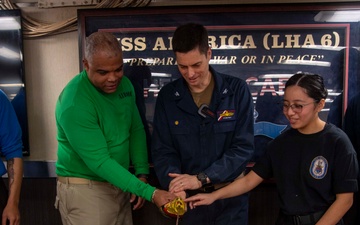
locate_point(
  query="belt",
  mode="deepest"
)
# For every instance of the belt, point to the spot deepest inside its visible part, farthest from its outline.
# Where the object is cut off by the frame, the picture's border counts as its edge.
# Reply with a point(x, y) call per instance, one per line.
point(78, 180)
point(309, 219)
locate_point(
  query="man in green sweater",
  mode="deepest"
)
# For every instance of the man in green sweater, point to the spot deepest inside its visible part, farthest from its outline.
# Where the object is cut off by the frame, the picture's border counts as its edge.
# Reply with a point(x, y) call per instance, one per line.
point(100, 133)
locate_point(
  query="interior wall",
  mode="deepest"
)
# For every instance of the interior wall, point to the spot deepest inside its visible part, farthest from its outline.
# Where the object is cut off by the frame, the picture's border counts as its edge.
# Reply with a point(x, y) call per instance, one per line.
point(50, 62)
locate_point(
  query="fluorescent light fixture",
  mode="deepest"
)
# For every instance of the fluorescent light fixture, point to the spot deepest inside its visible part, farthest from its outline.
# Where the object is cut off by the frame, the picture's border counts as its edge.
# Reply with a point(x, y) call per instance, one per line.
point(331, 48)
point(257, 83)
point(306, 62)
point(275, 76)
point(12, 85)
point(9, 23)
point(160, 74)
point(328, 100)
point(8, 53)
point(338, 16)
point(334, 93)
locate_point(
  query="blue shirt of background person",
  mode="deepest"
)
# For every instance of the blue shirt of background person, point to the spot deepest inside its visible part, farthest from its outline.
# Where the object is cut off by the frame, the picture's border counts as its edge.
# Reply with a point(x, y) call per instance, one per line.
point(11, 148)
point(10, 132)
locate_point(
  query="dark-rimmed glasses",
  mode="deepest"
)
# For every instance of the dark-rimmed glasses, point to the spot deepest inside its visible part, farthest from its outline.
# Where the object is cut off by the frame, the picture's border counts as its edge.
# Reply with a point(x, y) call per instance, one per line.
point(296, 108)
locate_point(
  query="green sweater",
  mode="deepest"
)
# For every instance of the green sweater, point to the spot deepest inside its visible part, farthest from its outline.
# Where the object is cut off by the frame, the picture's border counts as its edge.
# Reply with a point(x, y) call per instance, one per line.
point(99, 134)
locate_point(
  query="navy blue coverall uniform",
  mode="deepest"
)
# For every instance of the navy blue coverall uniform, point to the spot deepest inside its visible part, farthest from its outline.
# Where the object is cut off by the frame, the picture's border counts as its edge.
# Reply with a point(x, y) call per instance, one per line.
point(221, 145)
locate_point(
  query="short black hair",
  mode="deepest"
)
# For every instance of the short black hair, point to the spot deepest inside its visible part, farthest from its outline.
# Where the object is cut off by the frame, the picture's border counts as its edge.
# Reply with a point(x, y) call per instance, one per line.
point(313, 84)
point(190, 36)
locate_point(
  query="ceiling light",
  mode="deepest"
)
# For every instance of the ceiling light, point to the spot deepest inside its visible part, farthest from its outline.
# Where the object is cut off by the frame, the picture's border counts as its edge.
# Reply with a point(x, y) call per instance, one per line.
point(338, 16)
point(9, 23)
point(8, 53)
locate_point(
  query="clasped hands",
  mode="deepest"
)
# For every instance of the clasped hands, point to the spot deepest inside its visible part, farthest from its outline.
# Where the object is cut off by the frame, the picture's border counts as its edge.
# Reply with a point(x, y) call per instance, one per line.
point(183, 182)
point(177, 188)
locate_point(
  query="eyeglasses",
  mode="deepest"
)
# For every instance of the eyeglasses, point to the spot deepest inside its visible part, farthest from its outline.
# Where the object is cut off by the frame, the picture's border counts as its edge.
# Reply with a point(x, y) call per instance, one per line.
point(296, 108)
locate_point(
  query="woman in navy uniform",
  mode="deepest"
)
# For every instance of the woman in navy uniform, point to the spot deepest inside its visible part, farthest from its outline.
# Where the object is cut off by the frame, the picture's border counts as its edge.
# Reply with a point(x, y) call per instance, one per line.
point(313, 163)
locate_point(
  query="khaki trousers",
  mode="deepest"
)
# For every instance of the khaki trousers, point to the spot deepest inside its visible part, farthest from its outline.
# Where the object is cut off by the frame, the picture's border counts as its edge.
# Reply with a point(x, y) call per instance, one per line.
point(92, 203)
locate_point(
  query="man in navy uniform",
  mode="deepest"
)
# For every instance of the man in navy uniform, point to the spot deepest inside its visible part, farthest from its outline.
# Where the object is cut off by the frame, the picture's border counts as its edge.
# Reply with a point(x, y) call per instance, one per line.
point(203, 130)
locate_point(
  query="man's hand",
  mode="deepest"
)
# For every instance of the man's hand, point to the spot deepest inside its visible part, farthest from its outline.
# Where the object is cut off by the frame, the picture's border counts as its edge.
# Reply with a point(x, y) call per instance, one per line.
point(181, 194)
point(161, 197)
point(139, 201)
point(182, 182)
point(11, 213)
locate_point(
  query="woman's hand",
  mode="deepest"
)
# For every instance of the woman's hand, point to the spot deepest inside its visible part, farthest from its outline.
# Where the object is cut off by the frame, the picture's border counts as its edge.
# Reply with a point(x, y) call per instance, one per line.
point(200, 199)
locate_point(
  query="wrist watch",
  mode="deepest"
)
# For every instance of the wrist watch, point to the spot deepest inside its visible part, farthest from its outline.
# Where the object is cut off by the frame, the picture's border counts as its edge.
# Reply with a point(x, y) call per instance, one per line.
point(202, 177)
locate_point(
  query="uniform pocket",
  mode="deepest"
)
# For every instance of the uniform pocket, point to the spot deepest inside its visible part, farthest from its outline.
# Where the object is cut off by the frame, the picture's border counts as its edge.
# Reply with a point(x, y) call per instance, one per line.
point(224, 127)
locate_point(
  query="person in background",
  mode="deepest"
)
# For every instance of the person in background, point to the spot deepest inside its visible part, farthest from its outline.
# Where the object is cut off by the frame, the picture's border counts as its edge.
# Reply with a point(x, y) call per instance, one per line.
point(351, 126)
point(203, 130)
point(100, 133)
point(11, 148)
point(140, 77)
point(313, 163)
